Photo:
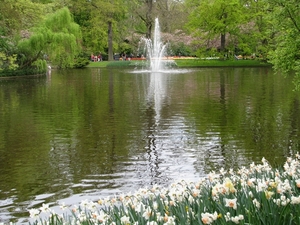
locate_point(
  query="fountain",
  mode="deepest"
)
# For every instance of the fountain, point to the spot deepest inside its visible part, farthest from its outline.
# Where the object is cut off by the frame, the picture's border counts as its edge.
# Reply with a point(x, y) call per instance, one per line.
point(155, 49)
point(155, 52)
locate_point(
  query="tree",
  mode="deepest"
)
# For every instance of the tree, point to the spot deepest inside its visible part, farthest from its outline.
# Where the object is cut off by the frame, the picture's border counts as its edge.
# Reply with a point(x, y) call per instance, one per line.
point(211, 19)
point(98, 19)
point(286, 25)
point(254, 36)
point(145, 11)
point(16, 17)
point(57, 38)
point(172, 15)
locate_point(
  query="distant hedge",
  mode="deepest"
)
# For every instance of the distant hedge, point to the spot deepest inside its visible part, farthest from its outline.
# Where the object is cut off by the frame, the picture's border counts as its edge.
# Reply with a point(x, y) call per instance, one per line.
point(24, 72)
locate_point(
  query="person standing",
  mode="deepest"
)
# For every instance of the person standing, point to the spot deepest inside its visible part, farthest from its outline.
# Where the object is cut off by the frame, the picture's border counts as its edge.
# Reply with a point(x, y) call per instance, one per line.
point(99, 57)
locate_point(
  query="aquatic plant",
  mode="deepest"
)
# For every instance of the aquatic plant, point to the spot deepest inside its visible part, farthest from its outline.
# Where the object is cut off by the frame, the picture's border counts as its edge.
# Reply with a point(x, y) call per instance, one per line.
point(259, 194)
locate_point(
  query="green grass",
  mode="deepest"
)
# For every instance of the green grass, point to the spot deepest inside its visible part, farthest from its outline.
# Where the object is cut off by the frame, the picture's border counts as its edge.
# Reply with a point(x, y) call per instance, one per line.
point(117, 64)
point(219, 63)
point(185, 63)
point(98, 64)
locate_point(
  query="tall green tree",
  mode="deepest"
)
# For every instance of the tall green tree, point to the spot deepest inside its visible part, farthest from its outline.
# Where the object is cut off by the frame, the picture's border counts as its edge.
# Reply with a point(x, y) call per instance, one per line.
point(172, 15)
point(16, 17)
point(215, 19)
point(286, 25)
point(145, 11)
point(254, 36)
point(58, 38)
point(99, 21)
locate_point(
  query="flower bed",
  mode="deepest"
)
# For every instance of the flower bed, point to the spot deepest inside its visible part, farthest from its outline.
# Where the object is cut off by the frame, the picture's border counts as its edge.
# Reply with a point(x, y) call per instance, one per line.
point(256, 195)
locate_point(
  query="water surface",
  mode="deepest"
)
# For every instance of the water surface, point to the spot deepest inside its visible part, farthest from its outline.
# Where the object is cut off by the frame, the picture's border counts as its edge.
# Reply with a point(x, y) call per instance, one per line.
point(85, 134)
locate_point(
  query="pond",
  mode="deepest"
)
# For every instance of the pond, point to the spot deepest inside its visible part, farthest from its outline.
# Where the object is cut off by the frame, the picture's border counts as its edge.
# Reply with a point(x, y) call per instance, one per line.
point(96, 132)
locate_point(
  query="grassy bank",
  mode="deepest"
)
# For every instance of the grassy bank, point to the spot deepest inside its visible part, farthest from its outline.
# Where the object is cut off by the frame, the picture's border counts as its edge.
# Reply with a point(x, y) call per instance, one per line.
point(116, 64)
point(219, 63)
point(256, 195)
point(185, 63)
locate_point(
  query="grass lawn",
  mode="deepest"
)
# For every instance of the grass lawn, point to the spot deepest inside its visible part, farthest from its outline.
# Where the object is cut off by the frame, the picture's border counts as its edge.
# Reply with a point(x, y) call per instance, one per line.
point(98, 64)
point(218, 63)
point(185, 63)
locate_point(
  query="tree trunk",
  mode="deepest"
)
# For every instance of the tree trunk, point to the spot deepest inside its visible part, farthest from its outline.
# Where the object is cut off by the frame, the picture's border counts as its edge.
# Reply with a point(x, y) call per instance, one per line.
point(149, 30)
point(223, 40)
point(149, 18)
point(110, 42)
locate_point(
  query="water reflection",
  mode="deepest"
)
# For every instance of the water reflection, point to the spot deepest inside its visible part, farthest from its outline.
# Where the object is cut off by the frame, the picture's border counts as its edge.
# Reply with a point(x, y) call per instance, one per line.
point(98, 132)
point(157, 93)
point(170, 136)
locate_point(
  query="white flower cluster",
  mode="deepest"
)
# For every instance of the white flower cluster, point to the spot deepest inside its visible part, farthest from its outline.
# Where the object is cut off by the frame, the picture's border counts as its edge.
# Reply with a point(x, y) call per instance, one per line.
point(208, 218)
point(235, 219)
point(234, 195)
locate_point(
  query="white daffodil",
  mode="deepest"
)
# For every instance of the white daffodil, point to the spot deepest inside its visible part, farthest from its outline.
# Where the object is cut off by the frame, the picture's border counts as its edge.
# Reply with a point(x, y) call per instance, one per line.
point(45, 208)
point(231, 203)
point(34, 213)
point(125, 220)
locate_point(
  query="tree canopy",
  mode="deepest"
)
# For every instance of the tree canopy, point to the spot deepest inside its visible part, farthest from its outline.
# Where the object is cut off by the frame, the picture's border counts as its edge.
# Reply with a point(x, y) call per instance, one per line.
point(33, 29)
point(211, 20)
point(285, 54)
point(57, 38)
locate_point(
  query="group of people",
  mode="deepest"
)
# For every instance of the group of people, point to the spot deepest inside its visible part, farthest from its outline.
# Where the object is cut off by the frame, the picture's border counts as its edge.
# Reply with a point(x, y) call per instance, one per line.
point(96, 58)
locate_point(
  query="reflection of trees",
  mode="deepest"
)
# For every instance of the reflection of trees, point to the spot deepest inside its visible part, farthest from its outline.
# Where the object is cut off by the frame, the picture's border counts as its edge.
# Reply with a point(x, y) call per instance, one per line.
point(223, 119)
point(293, 137)
point(247, 119)
point(151, 148)
point(74, 135)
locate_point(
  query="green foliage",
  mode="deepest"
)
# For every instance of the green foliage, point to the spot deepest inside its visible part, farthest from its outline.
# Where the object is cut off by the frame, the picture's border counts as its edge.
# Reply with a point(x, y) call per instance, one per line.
point(16, 16)
point(58, 37)
point(253, 36)
point(40, 65)
point(81, 61)
point(211, 19)
point(180, 49)
point(93, 17)
point(20, 72)
point(125, 47)
point(5, 45)
point(8, 62)
point(286, 21)
point(267, 28)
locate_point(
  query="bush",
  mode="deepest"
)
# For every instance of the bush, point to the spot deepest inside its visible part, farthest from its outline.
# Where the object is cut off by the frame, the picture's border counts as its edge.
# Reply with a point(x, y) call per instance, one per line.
point(81, 62)
point(179, 49)
point(23, 72)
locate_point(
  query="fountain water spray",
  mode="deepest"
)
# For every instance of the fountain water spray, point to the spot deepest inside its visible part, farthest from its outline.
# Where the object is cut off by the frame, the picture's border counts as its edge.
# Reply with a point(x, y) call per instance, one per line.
point(155, 53)
point(155, 49)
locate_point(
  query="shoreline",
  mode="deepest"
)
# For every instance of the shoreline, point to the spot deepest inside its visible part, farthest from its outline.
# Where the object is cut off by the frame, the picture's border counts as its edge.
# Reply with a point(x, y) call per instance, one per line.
point(184, 63)
point(181, 62)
